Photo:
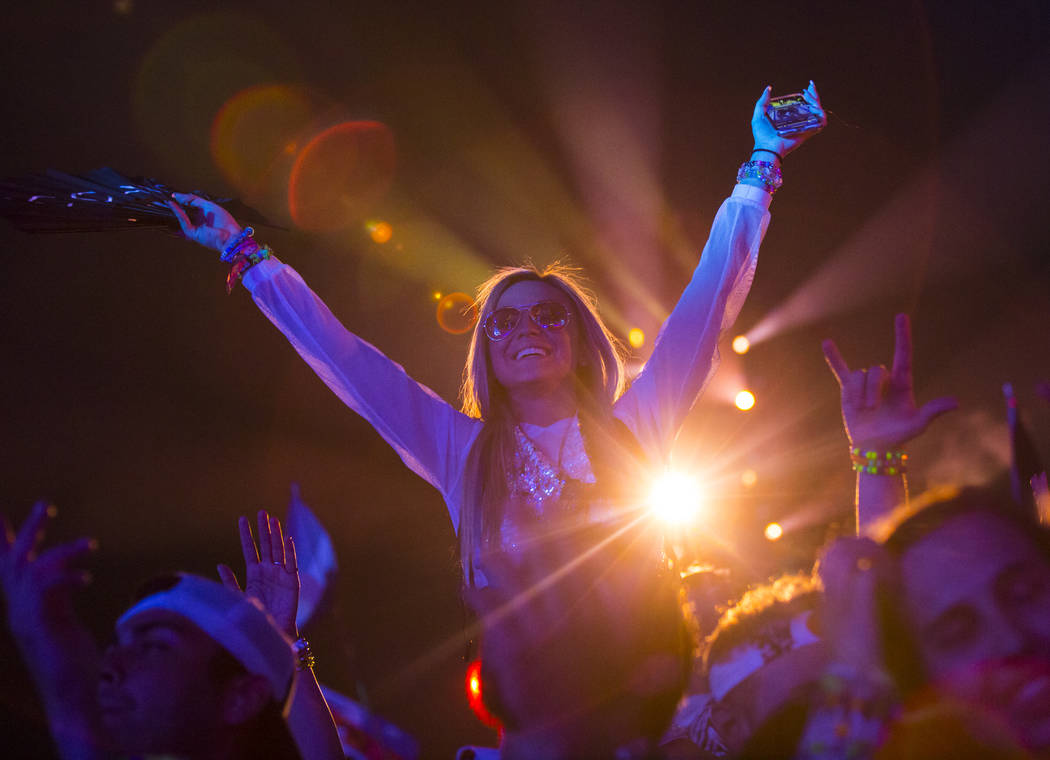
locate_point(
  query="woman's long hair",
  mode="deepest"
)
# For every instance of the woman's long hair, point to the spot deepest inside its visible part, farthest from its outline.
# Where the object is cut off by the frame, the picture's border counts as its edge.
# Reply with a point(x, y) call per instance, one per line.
point(599, 381)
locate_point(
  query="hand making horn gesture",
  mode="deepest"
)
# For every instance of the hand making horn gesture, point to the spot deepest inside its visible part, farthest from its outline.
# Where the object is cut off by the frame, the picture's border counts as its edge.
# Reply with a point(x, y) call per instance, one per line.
point(878, 405)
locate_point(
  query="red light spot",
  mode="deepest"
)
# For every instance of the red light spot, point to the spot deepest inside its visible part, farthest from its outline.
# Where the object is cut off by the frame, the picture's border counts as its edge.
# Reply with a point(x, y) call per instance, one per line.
point(474, 687)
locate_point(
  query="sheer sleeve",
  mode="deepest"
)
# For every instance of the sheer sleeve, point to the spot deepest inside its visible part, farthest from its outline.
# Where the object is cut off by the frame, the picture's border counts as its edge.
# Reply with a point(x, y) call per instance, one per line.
point(685, 354)
point(430, 436)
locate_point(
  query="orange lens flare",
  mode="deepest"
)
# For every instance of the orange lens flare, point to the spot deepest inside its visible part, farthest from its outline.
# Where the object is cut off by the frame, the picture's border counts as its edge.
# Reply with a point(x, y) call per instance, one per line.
point(340, 175)
point(254, 130)
point(380, 232)
point(456, 313)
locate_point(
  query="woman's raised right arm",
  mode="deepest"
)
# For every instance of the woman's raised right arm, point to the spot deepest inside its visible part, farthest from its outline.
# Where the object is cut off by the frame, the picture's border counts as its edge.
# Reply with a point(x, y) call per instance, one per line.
point(427, 433)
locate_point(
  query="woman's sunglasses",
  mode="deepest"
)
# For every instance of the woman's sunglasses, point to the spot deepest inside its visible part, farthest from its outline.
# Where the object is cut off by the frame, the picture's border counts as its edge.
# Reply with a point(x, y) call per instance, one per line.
point(549, 315)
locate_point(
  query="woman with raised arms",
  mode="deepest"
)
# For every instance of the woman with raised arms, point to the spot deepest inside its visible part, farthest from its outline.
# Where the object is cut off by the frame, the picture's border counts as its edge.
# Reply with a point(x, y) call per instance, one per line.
point(547, 435)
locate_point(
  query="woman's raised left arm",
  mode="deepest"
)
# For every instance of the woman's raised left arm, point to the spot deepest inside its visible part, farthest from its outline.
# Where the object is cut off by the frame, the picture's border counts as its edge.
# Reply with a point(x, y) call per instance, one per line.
point(685, 354)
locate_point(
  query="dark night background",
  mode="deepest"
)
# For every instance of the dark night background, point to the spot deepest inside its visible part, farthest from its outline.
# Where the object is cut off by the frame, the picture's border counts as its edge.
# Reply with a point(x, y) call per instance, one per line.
point(153, 409)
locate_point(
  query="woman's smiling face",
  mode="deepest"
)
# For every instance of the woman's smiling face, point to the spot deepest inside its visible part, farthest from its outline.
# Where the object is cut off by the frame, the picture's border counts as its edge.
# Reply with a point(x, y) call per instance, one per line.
point(530, 358)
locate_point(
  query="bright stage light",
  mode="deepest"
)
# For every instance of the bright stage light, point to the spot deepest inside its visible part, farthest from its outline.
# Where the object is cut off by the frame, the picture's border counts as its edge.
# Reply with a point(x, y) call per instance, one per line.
point(744, 400)
point(748, 478)
point(676, 498)
point(741, 344)
point(636, 337)
point(774, 531)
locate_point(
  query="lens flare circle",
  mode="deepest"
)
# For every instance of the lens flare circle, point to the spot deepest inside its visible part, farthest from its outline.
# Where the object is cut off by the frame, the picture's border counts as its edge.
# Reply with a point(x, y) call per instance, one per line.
point(741, 344)
point(748, 478)
point(774, 531)
point(456, 313)
point(255, 130)
point(380, 232)
point(340, 174)
point(744, 401)
point(636, 337)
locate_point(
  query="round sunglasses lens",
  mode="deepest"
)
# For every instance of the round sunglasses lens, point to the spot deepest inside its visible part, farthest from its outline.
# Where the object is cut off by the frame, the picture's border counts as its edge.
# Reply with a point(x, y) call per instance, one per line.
point(501, 322)
point(550, 315)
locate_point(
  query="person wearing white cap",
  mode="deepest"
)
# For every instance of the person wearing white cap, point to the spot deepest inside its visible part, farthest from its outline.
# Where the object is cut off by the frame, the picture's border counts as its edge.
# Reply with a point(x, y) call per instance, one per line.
point(197, 670)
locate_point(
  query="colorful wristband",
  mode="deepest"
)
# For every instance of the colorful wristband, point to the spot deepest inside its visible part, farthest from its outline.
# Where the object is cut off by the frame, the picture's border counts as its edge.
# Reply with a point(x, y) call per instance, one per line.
point(229, 253)
point(879, 463)
point(249, 254)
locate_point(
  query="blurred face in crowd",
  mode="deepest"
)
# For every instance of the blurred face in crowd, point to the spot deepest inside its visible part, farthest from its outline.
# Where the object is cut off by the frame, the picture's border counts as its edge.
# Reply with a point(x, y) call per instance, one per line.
point(156, 691)
point(977, 592)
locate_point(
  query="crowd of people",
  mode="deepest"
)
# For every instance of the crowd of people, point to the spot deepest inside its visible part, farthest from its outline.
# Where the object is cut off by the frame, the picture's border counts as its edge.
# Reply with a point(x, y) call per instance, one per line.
point(925, 634)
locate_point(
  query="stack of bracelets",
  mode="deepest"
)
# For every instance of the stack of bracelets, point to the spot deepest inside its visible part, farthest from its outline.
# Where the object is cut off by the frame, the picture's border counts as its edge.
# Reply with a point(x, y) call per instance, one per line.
point(766, 172)
point(242, 253)
point(879, 462)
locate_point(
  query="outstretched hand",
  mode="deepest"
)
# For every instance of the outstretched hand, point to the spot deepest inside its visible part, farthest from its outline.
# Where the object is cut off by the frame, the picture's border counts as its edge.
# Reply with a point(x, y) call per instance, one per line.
point(271, 571)
point(37, 585)
point(878, 406)
point(765, 134)
point(217, 227)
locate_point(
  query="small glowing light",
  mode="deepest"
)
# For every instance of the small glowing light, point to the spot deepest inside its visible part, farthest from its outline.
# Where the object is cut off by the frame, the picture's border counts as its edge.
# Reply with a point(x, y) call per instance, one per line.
point(290, 148)
point(380, 232)
point(636, 337)
point(437, 295)
point(741, 344)
point(676, 498)
point(744, 400)
point(748, 478)
point(774, 531)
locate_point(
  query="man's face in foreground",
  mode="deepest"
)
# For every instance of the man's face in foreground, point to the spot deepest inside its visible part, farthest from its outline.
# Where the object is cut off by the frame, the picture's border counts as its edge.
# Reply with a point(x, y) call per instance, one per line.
point(157, 692)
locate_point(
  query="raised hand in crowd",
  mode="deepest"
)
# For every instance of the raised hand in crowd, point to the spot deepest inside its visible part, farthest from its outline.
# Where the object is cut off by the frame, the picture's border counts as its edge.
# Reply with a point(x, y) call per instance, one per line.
point(766, 136)
point(853, 572)
point(58, 650)
point(880, 415)
point(271, 572)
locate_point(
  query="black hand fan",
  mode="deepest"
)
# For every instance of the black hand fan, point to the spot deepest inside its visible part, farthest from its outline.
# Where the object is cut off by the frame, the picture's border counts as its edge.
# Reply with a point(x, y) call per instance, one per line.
point(102, 199)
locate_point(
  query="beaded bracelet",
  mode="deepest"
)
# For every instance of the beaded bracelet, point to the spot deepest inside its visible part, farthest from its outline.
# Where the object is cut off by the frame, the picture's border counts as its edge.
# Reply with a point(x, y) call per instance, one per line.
point(879, 463)
point(304, 656)
point(229, 253)
point(248, 255)
point(766, 172)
